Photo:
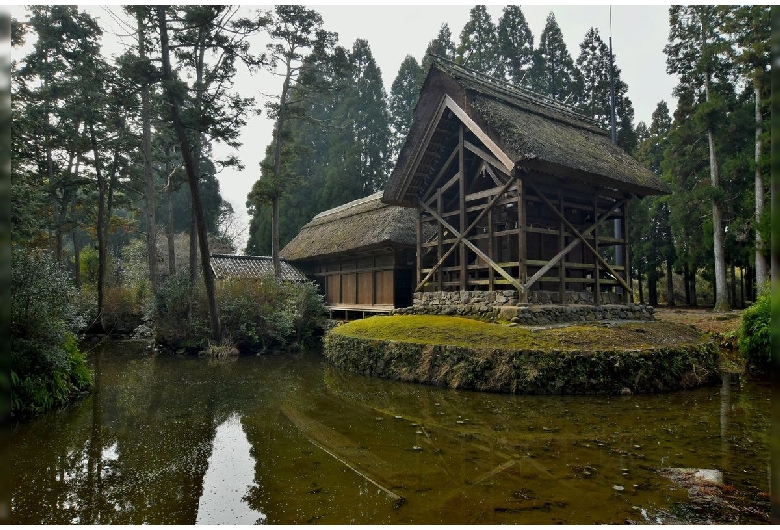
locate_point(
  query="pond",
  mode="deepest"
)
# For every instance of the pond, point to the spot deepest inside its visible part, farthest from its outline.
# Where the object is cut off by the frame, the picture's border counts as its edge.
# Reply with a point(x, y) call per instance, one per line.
point(286, 439)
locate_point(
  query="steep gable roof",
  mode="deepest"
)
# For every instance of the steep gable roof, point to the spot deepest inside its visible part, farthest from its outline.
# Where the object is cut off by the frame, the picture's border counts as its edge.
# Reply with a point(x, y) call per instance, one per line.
point(519, 128)
point(362, 224)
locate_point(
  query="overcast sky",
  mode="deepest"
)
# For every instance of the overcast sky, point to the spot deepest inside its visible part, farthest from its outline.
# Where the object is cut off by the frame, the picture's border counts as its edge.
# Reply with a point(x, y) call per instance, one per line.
point(639, 34)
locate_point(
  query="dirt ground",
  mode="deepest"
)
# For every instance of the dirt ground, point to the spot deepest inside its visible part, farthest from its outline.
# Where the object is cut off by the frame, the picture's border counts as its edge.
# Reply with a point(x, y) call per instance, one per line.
point(703, 319)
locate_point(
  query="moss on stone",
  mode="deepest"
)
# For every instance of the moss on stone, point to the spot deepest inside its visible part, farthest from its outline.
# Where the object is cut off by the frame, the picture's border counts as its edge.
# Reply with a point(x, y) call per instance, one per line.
point(469, 354)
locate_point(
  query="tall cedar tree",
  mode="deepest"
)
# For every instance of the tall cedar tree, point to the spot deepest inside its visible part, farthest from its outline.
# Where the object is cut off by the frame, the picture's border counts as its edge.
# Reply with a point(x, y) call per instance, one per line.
point(652, 241)
point(749, 35)
point(593, 66)
point(553, 73)
point(359, 152)
point(695, 53)
point(442, 45)
point(294, 31)
point(478, 47)
point(685, 168)
point(515, 47)
point(325, 82)
point(404, 94)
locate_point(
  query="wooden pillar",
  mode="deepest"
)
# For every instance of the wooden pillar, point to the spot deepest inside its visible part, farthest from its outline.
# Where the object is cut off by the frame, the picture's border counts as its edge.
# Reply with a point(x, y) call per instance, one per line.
point(418, 257)
point(522, 272)
point(491, 251)
point(561, 246)
point(440, 246)
point(627, 294)
point(462, 192)
point(597, 284)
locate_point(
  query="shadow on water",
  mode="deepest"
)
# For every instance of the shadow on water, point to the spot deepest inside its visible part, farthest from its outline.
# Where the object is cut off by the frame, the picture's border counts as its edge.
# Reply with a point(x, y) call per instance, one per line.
point(289, 439)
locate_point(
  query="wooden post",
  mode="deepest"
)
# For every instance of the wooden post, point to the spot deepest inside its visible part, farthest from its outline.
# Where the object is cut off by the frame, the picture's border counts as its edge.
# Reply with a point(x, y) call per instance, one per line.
point(462, 191)
point(418, 257)
point(597, 285)
point(522, 272)
point(439, 247)
point(491, 273)
point(627, 296)
point(561, 245)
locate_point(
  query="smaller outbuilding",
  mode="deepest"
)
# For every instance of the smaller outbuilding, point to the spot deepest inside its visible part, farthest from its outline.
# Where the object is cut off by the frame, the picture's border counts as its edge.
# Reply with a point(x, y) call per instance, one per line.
point(234, 266)
point(361, 253)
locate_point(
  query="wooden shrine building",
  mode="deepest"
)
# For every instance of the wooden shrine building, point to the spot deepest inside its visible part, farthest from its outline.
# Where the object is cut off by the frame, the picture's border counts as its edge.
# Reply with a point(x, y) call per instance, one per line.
point(362, 255)
point(509, 190)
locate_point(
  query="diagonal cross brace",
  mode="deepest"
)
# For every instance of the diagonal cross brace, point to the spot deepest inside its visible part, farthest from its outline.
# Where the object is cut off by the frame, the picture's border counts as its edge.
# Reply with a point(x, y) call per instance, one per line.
point(550, 264)
point(574, 231)
point(461, 238)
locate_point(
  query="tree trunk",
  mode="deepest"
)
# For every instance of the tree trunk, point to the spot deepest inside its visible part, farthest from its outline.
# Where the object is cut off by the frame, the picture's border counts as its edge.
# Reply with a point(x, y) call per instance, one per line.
point(669, 285)
point(687, 284)
point(652, 288)
point(208, 276)
point(721, 290)
point(761, 262)
point(277, 171)
point(101, 228)
point(151, 227)
point(641, 290)
point(193, 241)
point(169, 225)
point(694, 301)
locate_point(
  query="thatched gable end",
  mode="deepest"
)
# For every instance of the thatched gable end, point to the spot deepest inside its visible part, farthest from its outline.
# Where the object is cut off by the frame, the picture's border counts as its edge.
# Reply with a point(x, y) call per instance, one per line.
point(518, 127)
point(362, 224)
point(233, 266)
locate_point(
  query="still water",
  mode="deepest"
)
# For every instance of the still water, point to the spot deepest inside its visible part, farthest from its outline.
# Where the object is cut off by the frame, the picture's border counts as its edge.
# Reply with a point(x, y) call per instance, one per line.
point(290, 439)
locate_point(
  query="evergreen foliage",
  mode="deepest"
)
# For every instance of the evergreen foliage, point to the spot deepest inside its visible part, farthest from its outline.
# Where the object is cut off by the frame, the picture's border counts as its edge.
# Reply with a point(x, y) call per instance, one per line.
point(404, 93)
point(478, 48)
point(553, 72)
point(514, 47)
point(755, 333)
point(47, 368)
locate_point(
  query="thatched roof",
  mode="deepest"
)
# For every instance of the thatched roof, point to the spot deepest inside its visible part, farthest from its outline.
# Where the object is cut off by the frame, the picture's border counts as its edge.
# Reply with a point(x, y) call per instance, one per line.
point(232, 266)
point(533, 131)
point(365, 224)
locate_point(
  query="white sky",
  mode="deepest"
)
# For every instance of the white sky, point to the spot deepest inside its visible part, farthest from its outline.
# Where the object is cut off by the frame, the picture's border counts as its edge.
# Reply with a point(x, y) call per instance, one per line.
point(639, 34)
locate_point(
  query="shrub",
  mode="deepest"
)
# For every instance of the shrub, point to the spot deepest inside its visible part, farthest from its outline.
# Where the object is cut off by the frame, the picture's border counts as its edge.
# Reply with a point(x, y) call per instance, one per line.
point(47, 369)
point(755, 332)
point(254, 313)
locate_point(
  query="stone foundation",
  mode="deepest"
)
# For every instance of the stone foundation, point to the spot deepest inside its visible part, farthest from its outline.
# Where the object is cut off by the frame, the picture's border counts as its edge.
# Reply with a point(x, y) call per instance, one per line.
point(505, 305)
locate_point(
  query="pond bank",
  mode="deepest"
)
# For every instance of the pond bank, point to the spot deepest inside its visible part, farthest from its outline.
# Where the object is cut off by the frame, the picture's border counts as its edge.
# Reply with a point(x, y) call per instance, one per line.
point(593, 358)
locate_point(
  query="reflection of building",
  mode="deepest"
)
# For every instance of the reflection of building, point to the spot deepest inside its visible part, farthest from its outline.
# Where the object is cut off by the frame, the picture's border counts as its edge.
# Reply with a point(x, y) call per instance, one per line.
point(501, 188)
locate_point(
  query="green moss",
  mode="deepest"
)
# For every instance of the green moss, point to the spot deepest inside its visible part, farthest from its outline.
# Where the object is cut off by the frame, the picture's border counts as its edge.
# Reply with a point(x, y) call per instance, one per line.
point(469, 333)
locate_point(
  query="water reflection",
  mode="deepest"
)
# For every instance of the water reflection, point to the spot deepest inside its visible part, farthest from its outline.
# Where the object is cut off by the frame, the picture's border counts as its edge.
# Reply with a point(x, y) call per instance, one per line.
point(229, 475)
point(290, 440)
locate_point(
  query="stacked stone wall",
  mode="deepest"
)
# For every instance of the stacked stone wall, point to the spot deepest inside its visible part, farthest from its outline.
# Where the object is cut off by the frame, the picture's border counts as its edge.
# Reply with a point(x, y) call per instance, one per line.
point(505, 305)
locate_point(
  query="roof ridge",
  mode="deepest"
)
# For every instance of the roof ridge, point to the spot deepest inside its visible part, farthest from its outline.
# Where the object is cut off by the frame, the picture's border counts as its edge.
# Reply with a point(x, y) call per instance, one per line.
point(516, 91)
point(348, 205)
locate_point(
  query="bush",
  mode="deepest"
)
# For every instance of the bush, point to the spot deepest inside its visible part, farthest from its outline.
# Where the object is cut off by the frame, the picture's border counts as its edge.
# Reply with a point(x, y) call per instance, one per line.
point(755, 332)
point(254, 313)
point(47, 369)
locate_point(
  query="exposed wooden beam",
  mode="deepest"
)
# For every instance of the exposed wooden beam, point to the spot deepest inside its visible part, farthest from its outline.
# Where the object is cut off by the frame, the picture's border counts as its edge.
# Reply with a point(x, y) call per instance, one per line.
point(462, 196)
point(506, 162)
point(461, 237)
point(550, 264)
point(484, 155)
point(440, 174)
point(579, 235)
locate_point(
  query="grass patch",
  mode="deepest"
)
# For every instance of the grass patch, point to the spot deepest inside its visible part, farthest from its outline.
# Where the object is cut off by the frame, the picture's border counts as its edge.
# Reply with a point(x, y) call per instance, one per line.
point(470, 333)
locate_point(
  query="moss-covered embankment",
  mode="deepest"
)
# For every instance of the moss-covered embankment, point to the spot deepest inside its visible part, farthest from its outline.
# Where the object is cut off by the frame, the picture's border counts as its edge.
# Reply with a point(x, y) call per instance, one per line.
point(595, 358)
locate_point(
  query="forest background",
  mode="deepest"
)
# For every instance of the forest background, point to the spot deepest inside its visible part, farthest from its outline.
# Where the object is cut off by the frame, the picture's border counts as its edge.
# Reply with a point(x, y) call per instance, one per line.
point(117, 159)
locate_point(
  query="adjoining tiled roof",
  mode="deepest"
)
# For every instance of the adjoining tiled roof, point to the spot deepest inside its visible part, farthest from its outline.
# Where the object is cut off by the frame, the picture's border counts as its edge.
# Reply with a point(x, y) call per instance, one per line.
point(366, 222)
point(533, 131)
point(233, 266)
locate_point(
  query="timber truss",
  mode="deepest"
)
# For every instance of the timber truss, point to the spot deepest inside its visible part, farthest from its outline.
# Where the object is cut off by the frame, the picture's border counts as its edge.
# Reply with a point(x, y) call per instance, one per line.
point(500, 225)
